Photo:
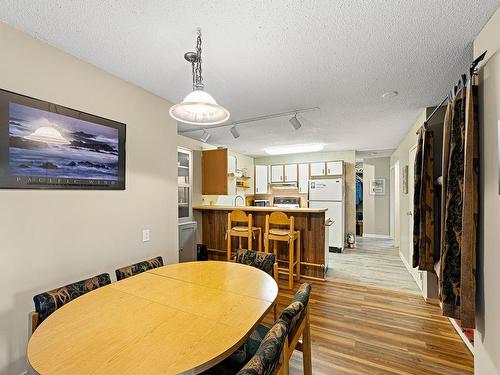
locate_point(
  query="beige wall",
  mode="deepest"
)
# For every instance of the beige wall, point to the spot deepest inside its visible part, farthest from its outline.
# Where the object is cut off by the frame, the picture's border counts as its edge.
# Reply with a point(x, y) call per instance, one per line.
point(349, 158)
point(487, 338)
point(376, 214)
point(51, 238)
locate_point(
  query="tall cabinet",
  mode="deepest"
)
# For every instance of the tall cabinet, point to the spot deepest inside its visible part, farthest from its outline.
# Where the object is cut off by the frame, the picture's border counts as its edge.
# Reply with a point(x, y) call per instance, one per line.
point(187, 226)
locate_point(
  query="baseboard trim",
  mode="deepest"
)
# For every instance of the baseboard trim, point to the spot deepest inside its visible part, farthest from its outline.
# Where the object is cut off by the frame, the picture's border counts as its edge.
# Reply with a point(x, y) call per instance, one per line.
point(376, 236)
point(408, 267)
point(462, 335)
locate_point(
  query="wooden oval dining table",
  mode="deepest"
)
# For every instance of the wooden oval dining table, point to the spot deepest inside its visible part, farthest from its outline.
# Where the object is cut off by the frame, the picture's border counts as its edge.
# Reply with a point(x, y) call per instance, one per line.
point(177, 319)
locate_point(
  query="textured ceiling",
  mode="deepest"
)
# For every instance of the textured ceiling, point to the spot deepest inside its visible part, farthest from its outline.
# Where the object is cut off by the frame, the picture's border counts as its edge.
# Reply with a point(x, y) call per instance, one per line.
point(263, 57)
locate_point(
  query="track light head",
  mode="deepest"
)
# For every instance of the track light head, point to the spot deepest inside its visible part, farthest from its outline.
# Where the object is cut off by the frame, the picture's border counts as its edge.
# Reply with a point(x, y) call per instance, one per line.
point(295, 122)
point(234, 132)
point(204, 137)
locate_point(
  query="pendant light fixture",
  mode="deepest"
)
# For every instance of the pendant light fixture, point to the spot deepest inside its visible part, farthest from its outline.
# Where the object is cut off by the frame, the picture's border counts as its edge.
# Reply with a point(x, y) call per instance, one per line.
point(198, 107)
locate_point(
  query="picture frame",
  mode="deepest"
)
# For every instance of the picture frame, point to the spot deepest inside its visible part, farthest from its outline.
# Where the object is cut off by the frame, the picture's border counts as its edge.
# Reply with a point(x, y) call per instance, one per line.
point(377, 186)
point(405, 179)
point(44, 145)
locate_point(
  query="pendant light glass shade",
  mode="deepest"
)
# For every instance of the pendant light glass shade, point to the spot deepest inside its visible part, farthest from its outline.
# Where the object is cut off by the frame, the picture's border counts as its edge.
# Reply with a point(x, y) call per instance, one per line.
point(47, 134)
point(199, 108)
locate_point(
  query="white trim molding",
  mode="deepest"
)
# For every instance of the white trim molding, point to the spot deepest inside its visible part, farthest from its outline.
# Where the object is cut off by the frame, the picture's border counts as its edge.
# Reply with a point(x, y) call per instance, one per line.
point(462, 335)
point(384, 236)
point(410, 270)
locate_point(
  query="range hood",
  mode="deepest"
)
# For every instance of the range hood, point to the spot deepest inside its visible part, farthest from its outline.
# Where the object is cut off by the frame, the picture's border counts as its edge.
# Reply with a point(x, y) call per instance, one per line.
point(284, 185)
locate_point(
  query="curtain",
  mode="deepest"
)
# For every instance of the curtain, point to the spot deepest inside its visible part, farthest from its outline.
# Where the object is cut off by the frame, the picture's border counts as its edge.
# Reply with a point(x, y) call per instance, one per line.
point(423, 203)
point(460, 208)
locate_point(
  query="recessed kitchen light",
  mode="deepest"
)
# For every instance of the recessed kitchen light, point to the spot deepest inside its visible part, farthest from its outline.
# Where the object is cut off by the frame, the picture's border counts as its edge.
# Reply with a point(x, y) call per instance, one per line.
point(390, 94)
point(293, 149)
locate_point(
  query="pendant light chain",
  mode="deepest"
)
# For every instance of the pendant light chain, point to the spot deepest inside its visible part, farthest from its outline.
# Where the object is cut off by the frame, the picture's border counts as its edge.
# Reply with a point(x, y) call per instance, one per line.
point(196, 65)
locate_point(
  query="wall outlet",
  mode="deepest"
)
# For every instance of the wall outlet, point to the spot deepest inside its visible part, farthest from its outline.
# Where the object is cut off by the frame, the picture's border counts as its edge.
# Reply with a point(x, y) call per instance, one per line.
point(145, 235)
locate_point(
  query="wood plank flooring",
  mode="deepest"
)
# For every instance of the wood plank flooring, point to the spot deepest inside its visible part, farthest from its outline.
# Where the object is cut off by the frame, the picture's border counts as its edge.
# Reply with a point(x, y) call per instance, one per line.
point(374, 262)
point(360, 329)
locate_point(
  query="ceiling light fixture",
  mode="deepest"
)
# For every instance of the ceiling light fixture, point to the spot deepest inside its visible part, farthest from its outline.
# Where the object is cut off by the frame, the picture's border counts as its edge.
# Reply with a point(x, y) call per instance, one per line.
point(234, 132)
point(198, 107)
point(293, 149)
point(295, 122)
point(204, 137)
point(390, 94)
point(47, 133)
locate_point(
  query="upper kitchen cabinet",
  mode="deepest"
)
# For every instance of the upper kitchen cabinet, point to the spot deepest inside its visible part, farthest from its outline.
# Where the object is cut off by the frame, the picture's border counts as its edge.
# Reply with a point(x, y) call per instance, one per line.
point(277, 173)
point(215, 172)
point(335, 168)
point(290, 172)
point(261, 179)
point(318, 169)
point(303, 178)
point(329, 168)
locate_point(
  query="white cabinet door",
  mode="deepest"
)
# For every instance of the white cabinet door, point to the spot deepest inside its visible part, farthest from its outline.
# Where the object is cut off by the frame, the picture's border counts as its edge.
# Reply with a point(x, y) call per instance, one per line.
point(261, 179)
point(334, 168)
point(277, 173)
point(318, 169)
point(290, 172)
point(303, 177)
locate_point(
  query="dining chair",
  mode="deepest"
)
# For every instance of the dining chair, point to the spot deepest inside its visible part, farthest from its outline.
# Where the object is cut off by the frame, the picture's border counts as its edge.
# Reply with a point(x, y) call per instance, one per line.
point(296, 316)
point(48, 302)
point(134, 269)
point(263, 261)
point(248, 231)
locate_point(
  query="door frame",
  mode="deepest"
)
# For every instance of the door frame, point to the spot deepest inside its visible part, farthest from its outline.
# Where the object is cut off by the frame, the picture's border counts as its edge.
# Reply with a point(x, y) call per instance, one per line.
point(417, 275)
point(395, 204)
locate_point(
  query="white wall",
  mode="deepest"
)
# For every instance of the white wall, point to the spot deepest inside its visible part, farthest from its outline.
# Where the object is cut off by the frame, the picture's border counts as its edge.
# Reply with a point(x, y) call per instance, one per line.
point(349, 158)
point(487, 335)
point(376, 208)
point(51, 238)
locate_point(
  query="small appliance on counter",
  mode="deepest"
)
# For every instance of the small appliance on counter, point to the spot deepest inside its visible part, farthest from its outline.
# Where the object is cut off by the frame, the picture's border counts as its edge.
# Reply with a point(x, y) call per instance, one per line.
point(286, 202)
point(261, 202)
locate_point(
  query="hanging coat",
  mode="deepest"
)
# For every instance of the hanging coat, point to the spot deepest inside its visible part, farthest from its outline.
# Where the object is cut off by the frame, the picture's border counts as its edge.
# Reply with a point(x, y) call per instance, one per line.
point(460, 203)
point(423, 203)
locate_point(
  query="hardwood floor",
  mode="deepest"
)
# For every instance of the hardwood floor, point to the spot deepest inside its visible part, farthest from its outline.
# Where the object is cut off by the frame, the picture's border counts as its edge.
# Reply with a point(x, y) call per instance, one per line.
point(360, 329)
point(373, 262)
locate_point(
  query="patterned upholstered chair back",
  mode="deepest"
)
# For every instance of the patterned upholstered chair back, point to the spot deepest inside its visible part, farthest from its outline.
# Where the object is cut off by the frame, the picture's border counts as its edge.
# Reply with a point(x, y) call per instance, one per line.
point(268, 355)
point(257, 259)
point(48, 302)
point(294, 313)
point(134, 269)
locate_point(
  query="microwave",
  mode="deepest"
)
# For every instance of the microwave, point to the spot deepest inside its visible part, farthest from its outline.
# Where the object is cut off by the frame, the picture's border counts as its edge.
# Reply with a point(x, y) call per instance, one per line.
point(261, 202)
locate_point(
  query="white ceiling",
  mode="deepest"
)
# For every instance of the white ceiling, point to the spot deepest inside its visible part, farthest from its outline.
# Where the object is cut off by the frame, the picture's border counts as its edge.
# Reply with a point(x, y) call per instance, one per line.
point(263, 57)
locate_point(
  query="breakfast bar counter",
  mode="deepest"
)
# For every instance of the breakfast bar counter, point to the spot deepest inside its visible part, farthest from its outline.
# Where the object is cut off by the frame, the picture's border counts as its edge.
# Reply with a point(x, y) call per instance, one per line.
point(309, 221)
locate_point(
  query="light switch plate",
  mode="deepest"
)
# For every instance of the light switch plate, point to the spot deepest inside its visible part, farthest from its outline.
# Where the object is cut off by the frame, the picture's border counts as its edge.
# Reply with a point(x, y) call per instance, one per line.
point(145, 235)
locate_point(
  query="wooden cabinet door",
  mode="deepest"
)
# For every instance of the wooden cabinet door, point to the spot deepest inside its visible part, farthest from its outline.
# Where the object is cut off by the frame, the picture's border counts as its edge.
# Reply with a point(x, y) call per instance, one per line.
point(214, 165)
point(334, 168)
point(277, 173)
point(303, 178)
point(290, 172)
point(261, 179)
point(318, 169)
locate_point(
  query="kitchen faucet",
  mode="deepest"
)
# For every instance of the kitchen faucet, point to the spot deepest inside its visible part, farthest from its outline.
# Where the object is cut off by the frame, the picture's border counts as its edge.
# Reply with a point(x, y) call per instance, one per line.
point(242, 200)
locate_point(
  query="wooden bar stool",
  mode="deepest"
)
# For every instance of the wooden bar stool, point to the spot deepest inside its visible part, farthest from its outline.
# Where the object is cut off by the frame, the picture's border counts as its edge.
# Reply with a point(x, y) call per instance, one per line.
point(284, 232)
point(240, 231)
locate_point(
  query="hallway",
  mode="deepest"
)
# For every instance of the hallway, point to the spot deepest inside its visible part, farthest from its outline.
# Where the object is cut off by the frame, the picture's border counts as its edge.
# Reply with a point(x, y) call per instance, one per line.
point(373, 262)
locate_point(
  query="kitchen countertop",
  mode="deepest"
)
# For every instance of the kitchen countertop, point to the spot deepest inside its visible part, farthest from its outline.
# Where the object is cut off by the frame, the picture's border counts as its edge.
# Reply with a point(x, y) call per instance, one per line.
point(259, 209)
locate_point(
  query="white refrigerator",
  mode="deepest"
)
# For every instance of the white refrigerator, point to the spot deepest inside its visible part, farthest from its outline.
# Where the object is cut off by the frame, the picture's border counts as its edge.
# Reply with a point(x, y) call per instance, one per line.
point(329, 194)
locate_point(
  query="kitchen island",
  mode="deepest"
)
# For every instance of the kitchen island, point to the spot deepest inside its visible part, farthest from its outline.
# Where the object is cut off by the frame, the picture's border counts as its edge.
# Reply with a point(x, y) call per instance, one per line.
point(310, 222)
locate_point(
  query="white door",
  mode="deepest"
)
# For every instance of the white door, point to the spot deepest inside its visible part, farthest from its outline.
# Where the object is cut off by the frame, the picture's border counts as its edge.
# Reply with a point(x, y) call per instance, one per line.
point(417, 275)
point(276, 173)
point(261, 179)
point(334, 168)
point(335, 211)
point(291, 172)
point(318, 169)
point(303, 178)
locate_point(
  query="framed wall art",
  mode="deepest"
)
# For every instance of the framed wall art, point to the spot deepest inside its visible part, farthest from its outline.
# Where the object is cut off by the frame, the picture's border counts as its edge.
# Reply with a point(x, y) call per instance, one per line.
point(377, 186)
point(47, 146)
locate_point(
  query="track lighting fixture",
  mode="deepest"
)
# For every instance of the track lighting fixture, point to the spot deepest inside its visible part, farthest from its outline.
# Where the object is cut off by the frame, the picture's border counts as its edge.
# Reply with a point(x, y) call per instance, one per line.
point(204, 137)
point(295, 122)
point(234, 132)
